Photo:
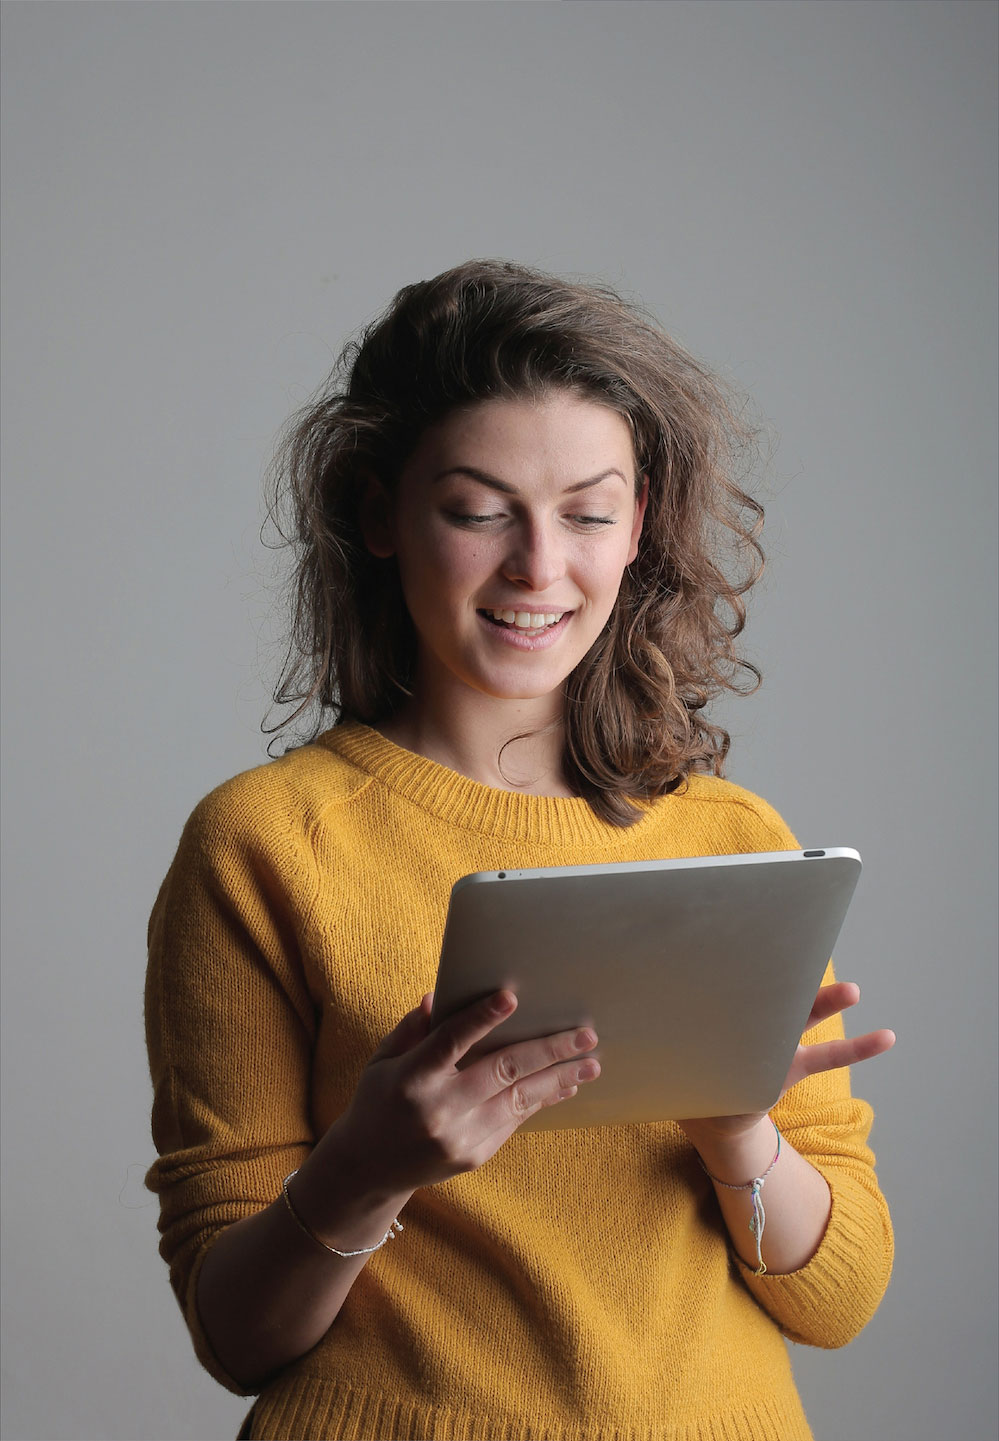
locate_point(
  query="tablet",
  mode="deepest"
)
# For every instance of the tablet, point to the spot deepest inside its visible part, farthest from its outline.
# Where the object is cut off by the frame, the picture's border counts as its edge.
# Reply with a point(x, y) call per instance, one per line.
point(698, 975)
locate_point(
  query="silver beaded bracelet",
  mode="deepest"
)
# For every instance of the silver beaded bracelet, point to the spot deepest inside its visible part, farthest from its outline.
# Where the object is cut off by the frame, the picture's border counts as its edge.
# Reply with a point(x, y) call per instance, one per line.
point(390, 1234)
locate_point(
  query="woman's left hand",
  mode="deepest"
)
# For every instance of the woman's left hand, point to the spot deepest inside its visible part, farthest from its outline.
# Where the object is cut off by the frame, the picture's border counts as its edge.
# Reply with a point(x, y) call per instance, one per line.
point(807, 1061)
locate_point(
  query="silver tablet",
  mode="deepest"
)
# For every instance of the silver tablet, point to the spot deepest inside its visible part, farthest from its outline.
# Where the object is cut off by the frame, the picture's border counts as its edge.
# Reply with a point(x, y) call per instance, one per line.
point(697, 975)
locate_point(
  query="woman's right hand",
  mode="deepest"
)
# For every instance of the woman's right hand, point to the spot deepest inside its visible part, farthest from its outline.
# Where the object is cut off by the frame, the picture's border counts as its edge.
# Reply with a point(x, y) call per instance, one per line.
point(416, 1118)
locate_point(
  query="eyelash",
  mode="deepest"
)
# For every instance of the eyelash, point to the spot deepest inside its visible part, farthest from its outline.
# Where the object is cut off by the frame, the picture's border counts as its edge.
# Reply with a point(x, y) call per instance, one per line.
point(476, 522)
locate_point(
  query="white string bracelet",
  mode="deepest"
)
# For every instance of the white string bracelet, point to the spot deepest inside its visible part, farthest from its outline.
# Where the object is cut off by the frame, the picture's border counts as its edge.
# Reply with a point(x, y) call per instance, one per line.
point(390, 1234)
point(759, 1217)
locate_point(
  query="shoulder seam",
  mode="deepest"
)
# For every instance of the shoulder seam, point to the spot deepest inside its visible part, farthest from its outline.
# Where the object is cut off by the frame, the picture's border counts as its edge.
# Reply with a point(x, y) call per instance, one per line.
point(333, 801)
point(746, 805)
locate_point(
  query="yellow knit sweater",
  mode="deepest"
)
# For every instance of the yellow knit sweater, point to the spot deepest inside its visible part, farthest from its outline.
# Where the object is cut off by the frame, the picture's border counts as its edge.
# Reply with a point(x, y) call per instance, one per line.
point(579, 1286)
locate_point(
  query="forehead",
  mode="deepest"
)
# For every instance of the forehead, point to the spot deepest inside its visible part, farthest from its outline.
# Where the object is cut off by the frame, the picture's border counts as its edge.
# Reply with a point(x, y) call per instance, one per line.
point(564, 437)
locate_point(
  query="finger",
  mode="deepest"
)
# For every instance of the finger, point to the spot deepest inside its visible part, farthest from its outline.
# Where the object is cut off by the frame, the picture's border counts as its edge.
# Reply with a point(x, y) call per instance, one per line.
point(831, 1001)
point(831, 1055)
point(502, 1069)
point(512, 1107)
point(408, 1033)
point(453, 1038)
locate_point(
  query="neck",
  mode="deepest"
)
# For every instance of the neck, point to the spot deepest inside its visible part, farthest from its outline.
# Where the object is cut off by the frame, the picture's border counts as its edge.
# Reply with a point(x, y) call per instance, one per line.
point(512, 745)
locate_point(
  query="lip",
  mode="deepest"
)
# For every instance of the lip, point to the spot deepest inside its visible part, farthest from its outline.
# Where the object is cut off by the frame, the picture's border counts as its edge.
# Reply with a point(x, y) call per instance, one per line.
point(520, 640)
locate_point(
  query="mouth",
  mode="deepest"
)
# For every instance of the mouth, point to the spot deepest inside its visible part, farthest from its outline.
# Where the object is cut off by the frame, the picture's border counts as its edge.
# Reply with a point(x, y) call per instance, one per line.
point(528, 623)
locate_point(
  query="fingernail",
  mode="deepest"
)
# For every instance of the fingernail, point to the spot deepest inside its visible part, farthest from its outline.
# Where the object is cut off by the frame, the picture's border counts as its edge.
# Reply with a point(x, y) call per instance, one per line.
point(503, 1003)
point(588, 1071)
point(569, 1091)
point(584, 1040)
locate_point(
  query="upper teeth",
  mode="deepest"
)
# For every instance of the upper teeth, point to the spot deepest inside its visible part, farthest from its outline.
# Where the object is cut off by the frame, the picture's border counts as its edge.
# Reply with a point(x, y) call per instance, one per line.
point(526, 619)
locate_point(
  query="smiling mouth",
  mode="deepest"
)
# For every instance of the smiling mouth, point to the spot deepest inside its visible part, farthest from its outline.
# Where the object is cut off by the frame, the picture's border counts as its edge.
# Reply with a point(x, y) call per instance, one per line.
point(525, 620)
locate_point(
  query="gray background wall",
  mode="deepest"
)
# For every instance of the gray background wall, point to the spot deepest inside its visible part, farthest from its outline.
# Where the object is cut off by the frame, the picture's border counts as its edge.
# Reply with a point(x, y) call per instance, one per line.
point(202, 201)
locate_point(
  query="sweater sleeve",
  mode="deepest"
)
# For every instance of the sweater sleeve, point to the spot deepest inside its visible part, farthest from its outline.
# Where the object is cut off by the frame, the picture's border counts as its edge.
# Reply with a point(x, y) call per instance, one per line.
point(230, 1028)
point(830, 1300)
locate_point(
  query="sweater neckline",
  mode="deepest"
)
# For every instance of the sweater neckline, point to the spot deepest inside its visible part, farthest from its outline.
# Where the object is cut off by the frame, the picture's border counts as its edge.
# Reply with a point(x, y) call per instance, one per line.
point(467, 804)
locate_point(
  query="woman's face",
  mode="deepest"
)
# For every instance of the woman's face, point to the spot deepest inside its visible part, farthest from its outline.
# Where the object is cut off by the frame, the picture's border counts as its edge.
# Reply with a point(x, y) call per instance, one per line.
point(512, 524)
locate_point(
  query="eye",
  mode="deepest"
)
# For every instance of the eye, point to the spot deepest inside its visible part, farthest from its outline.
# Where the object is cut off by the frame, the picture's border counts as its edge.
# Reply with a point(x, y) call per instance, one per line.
point(591, 522)
point(471, 522)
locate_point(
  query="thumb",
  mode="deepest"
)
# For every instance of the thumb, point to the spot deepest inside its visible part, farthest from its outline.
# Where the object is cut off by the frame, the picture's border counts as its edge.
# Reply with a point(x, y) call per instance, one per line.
point(410, 1031)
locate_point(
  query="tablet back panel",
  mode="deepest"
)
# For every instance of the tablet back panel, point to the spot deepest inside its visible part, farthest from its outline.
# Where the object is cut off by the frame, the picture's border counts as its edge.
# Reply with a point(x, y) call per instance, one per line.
point(698, 975)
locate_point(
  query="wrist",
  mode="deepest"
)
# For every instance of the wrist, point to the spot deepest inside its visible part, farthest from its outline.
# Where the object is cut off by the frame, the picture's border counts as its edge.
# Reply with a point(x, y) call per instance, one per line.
point(735, 1157)
point(337, 1203)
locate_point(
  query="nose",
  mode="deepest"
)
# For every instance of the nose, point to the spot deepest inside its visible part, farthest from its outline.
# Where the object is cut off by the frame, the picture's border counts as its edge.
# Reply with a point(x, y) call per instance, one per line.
point(536, 558)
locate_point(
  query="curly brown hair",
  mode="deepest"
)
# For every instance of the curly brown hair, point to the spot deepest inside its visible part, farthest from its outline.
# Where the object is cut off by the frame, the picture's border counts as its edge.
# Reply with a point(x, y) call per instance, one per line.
point(634, 716)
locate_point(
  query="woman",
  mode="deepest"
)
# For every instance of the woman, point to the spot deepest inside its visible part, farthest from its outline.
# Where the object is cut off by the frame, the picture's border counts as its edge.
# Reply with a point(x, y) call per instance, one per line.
point(511, 599)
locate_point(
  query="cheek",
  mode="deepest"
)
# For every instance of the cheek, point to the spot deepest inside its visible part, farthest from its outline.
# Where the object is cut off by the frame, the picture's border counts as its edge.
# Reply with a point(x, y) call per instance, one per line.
point(604, 571)
point(441, 562)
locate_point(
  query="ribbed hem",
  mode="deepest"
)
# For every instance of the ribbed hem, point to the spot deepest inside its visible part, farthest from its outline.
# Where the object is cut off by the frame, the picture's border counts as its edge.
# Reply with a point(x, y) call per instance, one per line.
point(469, 805)
point(314, 1410)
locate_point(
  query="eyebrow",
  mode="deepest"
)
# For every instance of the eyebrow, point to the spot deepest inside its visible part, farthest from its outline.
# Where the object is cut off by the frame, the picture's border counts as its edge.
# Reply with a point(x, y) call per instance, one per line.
point(496, 484)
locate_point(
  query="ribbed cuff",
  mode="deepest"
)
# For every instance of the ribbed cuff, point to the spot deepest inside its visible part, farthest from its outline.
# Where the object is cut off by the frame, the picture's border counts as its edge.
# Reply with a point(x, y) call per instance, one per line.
point(831, 1299)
